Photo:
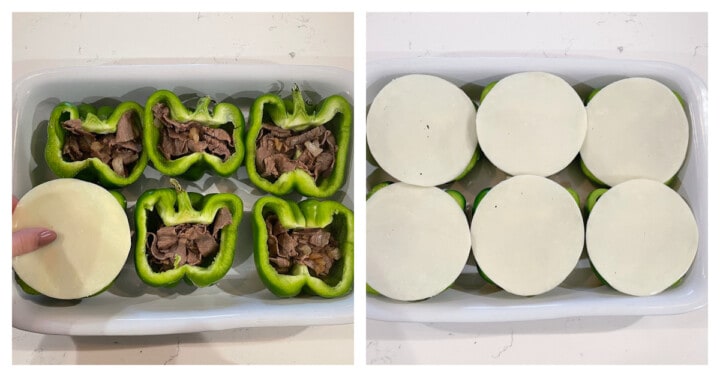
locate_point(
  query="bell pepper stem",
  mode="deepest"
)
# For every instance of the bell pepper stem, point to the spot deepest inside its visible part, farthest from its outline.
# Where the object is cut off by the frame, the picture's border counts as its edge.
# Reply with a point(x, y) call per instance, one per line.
point(186, 211)
point(203, 107)
point(298, 101)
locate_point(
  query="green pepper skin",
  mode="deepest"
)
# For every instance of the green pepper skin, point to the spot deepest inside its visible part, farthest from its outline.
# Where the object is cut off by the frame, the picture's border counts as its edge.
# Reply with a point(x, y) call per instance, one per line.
point(371, 290)
point(120, 198)
point(590, 175)
point(100, 121)
point(194, 165)
point(458, 197)
point(191, 208)
point(309, 213)
point(473, 161)
point(487, 90)
point(334, 111)
point(25, 287)
point(479, 197)
point(377, 188)
point(593, 197)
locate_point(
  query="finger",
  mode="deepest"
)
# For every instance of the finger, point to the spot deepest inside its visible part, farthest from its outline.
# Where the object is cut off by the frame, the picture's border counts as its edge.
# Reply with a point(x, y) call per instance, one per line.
point(30, 239)
point(15, 202)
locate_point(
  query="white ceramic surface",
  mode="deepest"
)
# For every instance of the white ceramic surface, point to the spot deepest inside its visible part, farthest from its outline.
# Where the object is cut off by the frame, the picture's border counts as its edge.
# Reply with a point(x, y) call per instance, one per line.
point(130, 307)
point(472, 300)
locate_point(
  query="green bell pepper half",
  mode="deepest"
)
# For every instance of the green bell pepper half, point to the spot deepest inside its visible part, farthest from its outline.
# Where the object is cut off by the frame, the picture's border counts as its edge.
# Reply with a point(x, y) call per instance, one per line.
point(334, 112)
point(670, 182)
point(481, 195)
point(310, 213)
point(99, 121)
point(174, 206)
point(194, 165)
point(592, 199)
point(457, 196)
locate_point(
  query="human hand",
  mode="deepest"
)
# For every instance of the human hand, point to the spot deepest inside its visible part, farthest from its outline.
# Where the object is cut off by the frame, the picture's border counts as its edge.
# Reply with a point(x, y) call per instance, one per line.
point(29, 239)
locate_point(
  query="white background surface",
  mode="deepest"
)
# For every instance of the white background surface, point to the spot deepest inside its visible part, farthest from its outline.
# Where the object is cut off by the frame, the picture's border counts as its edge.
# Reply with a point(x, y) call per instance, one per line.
point(675, 38)
point(54, 40)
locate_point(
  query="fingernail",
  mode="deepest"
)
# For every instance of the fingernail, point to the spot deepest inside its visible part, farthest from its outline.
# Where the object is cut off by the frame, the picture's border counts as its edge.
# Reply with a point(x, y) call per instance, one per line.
point(45, 237)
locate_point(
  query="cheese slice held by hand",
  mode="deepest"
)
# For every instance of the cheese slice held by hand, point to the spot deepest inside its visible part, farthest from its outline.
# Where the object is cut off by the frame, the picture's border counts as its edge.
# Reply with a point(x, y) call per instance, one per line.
point(93, 238)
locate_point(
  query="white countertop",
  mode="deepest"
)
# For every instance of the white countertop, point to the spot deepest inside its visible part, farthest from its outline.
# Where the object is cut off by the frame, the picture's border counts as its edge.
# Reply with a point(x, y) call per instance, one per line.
point(43, 41)
point(681, 39)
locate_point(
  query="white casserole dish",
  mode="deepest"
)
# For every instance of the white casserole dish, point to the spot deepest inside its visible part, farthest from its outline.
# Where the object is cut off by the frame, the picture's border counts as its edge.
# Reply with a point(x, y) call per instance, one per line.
point(130, 307)
point(581, 294)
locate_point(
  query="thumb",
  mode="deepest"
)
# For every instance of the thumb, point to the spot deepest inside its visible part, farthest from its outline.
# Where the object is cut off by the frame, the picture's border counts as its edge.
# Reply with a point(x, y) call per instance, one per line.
point(30, 239)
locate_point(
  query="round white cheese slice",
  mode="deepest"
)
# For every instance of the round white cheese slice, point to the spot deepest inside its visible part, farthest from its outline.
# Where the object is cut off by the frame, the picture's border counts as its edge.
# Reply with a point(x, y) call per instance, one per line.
point(636, 129)
point(420, 129)
point(93, 238)
point(641, 237)
point(531, 123)
point(418, 241)
point(527, 235)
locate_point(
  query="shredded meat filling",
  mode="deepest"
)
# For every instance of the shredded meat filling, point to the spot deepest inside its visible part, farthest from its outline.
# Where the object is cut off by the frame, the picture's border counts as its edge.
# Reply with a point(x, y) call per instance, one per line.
point(179, 139)
point(314, 247)
point(118, 150)
point(280, 151)
point(191, 243)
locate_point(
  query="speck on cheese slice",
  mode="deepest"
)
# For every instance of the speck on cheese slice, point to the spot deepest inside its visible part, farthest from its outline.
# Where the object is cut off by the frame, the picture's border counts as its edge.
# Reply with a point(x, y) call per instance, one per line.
point(531, 123)
point(527, 235)
point(420, 130)
point(93, 238)
point(418, 241)
point(637, 128)
point(641, 237)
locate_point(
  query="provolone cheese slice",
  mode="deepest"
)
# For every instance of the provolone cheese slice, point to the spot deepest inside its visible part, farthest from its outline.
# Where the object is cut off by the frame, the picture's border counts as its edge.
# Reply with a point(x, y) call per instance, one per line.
point(636, 129)
point(531, 123)
point(527, 235)
point(641, 237)
point(420, 130)
point(418, 241)
point(93, 238)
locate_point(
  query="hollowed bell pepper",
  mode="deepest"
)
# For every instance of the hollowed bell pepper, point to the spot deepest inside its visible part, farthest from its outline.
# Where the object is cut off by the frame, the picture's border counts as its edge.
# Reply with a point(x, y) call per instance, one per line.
point(329, 215)
point(194, 164)
point(334, 112)
point(481, 195)
point(171, 207)
point(456, 195)
point(100, 121)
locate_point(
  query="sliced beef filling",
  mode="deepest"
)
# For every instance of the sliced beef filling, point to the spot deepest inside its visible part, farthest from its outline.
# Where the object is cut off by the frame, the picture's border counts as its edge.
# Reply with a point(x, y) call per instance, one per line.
point(192, 243)
point(280, 150)
point(179, 139)
point(314, 247)
point(118, 150)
